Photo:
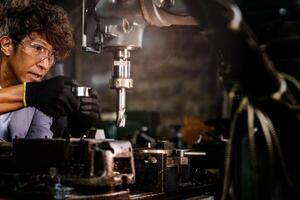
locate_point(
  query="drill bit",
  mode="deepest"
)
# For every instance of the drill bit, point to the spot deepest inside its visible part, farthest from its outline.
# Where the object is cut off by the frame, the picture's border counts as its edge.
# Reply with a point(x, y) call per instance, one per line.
point(121, 107)
point(121, 118)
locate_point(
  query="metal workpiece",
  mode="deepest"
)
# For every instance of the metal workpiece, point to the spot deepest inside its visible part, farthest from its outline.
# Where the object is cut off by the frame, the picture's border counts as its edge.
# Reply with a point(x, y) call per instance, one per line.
point(81, 91)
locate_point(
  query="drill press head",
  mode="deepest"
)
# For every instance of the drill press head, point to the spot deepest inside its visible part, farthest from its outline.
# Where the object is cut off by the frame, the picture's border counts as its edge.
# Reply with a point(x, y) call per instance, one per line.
point(120, 27)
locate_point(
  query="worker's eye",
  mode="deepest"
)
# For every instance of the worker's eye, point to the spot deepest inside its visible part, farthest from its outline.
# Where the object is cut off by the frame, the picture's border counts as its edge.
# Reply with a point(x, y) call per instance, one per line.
point(38, 48)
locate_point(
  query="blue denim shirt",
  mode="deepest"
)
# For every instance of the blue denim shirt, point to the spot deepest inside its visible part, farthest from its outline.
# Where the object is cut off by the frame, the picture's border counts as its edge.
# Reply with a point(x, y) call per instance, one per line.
point(28, 122)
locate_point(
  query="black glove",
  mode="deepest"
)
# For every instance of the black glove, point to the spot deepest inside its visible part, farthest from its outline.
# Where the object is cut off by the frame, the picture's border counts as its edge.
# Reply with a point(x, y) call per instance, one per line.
point(53, 96)
point(82, 120)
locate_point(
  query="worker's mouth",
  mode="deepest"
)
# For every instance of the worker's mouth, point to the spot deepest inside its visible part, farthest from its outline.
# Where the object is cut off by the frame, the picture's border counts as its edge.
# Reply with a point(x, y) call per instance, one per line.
point(35, 76)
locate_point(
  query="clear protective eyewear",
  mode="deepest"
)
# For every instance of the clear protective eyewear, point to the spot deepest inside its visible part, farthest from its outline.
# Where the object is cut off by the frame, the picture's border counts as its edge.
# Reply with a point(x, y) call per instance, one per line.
point(38, 51)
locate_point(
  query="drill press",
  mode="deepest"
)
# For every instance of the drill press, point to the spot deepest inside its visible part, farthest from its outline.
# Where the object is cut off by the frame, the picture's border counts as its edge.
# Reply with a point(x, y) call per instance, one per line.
point(119, 29)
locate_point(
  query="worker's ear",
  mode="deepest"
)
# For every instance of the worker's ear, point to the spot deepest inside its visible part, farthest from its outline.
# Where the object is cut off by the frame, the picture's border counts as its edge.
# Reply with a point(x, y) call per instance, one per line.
point(6, 45)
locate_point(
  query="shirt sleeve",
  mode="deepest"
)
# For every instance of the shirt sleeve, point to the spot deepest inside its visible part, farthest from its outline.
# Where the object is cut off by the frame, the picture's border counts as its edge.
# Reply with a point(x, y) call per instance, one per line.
point(40, 126)
point(19, 123)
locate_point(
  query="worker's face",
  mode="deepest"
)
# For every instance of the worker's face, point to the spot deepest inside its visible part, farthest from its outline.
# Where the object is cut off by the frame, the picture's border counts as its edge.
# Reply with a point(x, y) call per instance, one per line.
point(32, 58)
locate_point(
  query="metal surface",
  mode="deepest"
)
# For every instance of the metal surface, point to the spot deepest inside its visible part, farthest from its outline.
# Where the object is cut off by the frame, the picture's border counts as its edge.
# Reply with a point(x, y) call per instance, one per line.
point(166, 171)
point(99, 169)
point(81, 91)
point(158, 14)
point(122, 24)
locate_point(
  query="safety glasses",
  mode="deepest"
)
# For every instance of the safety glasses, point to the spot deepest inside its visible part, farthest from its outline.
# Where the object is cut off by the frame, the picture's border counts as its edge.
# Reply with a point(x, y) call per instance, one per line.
point(38, 51)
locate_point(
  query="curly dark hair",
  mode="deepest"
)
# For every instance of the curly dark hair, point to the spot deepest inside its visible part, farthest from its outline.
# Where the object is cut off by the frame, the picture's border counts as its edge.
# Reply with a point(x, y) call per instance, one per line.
point(19, 18)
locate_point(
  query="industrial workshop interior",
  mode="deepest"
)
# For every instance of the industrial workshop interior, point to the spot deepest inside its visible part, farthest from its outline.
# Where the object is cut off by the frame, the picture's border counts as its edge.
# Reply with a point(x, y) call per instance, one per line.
point(150, 99)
